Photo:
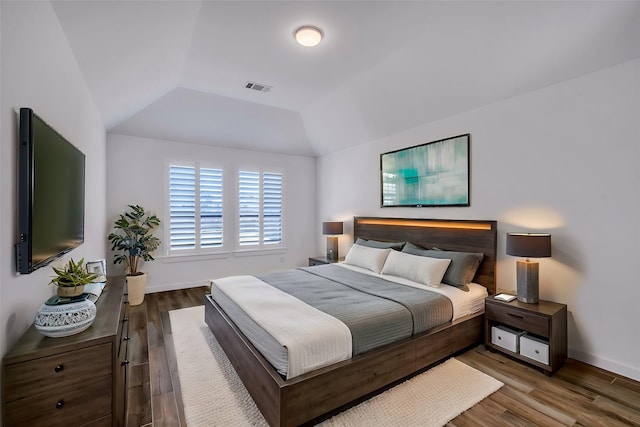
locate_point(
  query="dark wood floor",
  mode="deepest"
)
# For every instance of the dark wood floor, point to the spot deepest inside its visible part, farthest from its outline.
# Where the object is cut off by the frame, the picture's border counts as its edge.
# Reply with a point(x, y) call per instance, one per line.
point(154, 388)
point(577, 395)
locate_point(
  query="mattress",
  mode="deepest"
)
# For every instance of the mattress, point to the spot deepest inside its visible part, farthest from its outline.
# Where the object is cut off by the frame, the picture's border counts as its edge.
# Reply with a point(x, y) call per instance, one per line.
point(387, 325)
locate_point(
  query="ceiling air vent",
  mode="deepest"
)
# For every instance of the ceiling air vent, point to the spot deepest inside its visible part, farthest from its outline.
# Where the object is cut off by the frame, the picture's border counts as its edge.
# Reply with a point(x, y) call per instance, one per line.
point(258, 86)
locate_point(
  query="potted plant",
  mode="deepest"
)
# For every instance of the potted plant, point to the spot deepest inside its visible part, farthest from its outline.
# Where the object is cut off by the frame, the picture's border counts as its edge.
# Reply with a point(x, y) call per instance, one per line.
point(71, 279)
point(61, 318)
point(134, 238)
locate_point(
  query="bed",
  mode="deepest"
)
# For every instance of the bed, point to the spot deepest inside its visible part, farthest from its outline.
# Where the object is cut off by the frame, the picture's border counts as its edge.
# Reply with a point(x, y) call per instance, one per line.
point(312, 395)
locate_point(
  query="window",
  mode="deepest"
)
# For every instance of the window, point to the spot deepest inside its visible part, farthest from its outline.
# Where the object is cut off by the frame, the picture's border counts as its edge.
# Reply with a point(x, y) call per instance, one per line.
point(195, 209)
point(259, 208)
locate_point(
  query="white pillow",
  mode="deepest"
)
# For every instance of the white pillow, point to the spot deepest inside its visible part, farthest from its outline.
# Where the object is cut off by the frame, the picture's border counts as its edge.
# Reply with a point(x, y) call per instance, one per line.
point(365, 257)
point(421, 269)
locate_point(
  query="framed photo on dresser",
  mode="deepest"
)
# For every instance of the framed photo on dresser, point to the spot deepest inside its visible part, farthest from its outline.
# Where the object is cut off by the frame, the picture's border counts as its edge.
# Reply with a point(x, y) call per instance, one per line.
point(98, 267)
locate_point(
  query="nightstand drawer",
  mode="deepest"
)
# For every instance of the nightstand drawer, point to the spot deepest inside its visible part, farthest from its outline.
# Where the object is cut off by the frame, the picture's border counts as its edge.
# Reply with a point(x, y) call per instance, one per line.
point(535, 349)
point(519, 319)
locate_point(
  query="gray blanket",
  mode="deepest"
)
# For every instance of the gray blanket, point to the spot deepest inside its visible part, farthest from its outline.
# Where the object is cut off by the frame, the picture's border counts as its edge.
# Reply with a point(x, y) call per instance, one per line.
point(377, 311)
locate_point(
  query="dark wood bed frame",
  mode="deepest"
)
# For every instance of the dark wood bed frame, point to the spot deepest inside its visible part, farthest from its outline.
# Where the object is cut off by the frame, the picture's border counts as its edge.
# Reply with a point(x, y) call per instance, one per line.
point(310, 396)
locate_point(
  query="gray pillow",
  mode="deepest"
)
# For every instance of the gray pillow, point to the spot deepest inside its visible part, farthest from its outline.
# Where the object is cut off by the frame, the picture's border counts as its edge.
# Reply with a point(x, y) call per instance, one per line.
point(462, 268)
point(380, 245)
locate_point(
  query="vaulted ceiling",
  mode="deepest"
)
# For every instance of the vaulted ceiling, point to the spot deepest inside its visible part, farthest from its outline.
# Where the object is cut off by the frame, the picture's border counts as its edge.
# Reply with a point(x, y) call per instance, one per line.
point(177, 70)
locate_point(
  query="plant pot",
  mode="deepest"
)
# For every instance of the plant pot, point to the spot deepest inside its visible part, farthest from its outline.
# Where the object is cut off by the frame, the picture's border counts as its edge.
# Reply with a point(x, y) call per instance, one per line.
point(136, 287)
point(70, 291)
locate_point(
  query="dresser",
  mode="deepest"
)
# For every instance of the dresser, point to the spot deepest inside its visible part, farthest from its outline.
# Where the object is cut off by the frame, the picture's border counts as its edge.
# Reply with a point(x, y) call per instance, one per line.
point(80, 380)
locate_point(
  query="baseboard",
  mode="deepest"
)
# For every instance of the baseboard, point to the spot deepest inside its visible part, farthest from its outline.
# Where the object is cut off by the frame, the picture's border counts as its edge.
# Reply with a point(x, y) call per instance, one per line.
point(175, 286)
point(606, 364)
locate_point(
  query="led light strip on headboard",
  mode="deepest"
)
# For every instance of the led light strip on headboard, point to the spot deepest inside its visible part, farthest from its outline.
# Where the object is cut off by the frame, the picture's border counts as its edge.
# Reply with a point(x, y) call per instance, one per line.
point(462, 224)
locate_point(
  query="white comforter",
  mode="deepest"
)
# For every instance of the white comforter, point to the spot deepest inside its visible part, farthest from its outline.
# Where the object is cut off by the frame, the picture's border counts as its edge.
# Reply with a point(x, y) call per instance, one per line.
point(313, 339)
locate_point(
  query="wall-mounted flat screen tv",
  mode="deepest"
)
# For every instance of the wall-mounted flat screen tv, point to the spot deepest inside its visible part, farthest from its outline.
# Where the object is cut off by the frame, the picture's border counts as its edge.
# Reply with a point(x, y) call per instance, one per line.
point(51, 190)
point(426, 175)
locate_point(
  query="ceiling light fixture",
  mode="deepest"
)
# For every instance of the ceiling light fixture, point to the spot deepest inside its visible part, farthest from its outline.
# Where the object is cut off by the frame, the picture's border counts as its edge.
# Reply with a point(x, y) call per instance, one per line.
point(308, 36)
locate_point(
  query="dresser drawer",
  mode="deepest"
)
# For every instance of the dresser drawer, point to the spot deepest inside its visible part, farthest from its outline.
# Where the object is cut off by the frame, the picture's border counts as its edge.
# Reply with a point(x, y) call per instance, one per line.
point(534, 323)
point(53, 372)
point(123, 334)
point(123, 354)
point(75, 404)
point(102, 422)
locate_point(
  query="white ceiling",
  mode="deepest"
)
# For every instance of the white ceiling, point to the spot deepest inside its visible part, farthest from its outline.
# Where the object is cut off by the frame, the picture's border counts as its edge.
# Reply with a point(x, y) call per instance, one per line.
point(176, 70)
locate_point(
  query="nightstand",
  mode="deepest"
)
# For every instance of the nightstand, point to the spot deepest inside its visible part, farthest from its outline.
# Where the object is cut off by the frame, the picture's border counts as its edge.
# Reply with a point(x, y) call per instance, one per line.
point(533, 333)
point(319, 260)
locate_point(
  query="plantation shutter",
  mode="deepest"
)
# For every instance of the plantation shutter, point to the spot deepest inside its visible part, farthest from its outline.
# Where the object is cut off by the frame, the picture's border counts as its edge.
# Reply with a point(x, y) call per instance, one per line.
point(272, 211)
point(211, 208)
point(182, 207)
point(248, 208)
point(196, 209)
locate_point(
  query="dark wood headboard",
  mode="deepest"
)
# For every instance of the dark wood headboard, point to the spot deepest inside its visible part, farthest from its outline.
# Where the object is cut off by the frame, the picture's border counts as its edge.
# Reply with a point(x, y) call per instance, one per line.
point(446, 234)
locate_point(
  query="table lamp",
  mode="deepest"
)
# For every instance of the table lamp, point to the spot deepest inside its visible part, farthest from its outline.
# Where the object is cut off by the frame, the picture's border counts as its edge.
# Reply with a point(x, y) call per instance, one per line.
point(332, 229)
point(529, 246)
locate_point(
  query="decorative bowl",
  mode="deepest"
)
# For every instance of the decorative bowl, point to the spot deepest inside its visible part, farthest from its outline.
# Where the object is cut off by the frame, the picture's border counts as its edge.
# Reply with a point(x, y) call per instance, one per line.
point(65, 319)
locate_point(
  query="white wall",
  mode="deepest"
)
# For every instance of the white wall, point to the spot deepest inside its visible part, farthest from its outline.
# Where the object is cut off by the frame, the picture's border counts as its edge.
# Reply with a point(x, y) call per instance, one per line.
point(40, 71)
point(564, 160)
point(137, 169)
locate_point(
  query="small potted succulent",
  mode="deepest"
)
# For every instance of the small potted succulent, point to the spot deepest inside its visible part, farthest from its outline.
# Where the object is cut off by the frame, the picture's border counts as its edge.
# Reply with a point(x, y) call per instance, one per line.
point(72, 278)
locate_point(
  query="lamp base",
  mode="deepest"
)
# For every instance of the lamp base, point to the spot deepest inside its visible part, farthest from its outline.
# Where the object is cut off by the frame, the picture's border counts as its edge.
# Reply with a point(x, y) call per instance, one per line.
point(527, 281)
point(332, 248)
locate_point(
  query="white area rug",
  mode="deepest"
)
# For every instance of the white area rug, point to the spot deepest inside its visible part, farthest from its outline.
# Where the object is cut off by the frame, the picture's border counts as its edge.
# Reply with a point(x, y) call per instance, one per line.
point(213, 395)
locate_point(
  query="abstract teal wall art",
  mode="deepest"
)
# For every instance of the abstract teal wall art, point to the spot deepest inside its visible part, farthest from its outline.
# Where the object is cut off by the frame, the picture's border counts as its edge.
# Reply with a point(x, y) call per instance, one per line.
point(427, 175)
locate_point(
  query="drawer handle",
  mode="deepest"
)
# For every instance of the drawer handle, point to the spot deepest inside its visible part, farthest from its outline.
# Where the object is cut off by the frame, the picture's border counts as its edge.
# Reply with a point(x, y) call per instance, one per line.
point(59, 368)
point(60, 404)
point(126, 338)
point(499, 338)
point(537, 352)
point(516, 316)
point(125, 319)
point(125, 363)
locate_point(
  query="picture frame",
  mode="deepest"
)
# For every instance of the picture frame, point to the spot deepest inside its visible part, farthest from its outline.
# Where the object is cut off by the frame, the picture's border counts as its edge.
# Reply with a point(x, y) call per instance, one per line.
point(434, 174)
point(98, 267)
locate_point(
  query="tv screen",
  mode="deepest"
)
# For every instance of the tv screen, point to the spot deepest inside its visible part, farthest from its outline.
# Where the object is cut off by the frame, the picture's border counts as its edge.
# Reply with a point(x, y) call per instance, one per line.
point(50, 194)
